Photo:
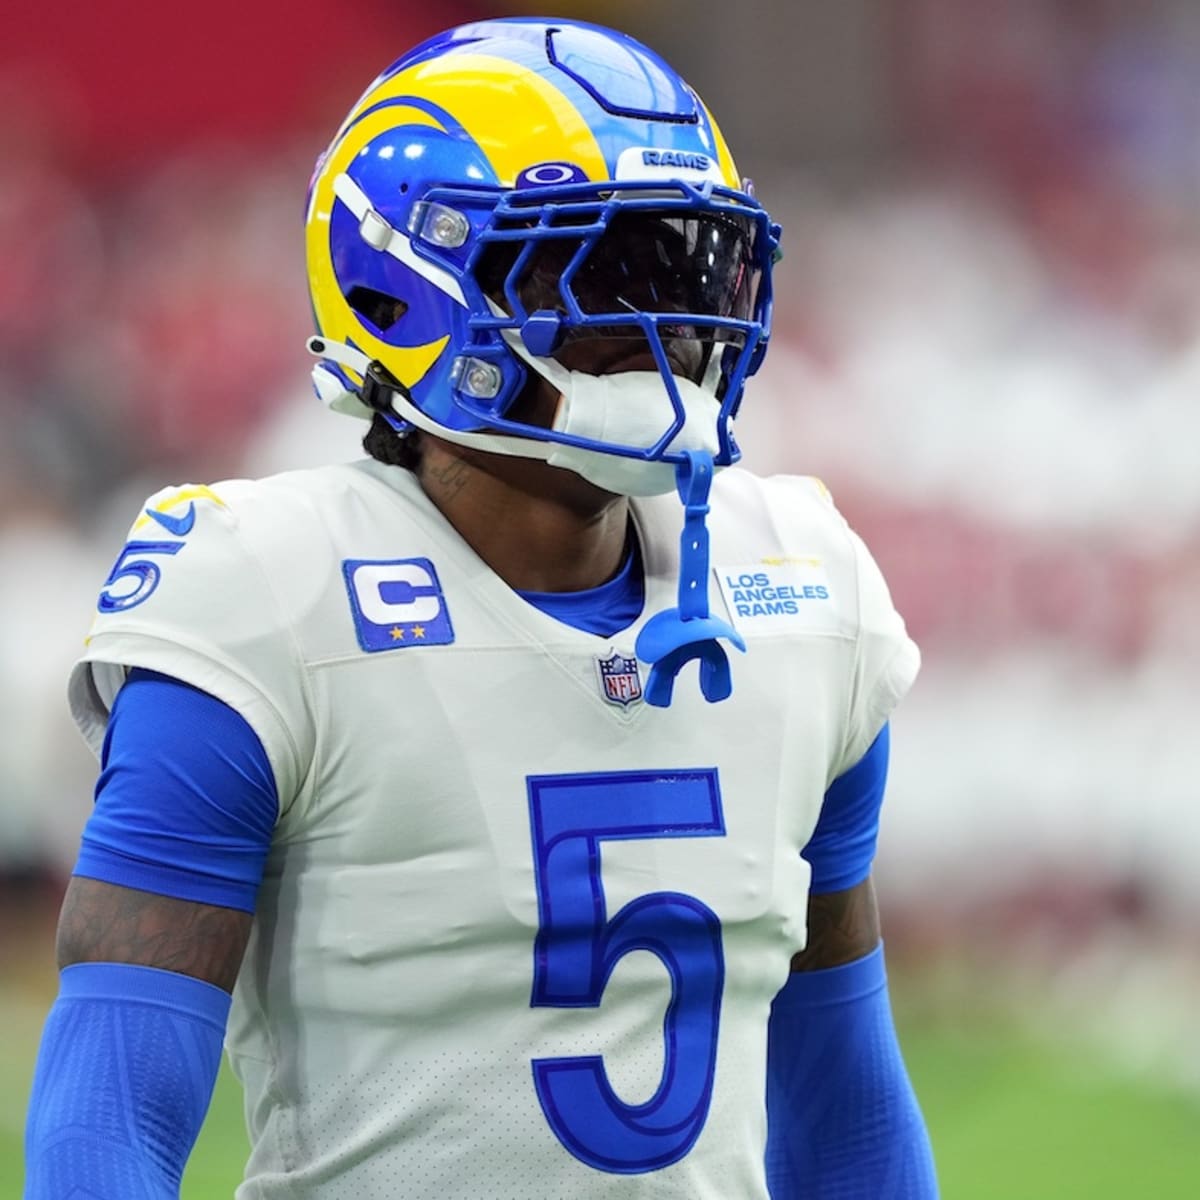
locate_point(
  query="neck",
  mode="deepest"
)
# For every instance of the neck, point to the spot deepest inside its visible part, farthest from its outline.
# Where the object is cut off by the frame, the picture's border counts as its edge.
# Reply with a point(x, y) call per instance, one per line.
point(537, 527)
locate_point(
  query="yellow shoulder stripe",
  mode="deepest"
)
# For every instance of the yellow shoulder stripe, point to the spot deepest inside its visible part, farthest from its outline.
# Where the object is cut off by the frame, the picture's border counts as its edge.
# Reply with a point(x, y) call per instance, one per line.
point(180, 496)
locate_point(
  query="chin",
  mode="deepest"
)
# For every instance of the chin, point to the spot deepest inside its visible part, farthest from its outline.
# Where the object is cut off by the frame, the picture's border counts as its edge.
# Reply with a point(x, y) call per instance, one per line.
point(571, 489)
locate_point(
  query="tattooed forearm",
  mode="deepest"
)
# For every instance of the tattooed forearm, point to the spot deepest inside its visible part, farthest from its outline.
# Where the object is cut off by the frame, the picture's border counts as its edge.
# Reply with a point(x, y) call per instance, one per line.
point(842, 926)
point(101, 922)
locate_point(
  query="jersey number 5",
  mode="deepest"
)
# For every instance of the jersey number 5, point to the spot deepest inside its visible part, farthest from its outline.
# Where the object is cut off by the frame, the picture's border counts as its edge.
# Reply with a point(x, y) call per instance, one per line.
point(134, 576)
point(578, 945)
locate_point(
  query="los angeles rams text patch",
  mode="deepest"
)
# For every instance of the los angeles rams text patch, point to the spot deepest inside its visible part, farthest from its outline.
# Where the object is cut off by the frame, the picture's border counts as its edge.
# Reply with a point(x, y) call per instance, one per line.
point(397, 603)
point(778, 597)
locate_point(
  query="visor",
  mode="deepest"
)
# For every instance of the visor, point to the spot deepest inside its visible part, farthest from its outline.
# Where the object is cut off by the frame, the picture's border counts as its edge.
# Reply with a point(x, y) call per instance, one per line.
point(667, 264)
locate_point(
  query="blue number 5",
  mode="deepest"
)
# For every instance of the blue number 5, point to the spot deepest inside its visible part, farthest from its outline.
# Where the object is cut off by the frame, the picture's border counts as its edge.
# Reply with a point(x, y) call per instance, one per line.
point(577, 947)
point(133, 563)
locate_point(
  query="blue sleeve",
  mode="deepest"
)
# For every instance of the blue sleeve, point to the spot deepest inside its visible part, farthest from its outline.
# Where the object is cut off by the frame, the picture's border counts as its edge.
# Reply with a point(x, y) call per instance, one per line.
point(124, 1077)
point(843, 1122)
point(842, 846)
point(186, 801)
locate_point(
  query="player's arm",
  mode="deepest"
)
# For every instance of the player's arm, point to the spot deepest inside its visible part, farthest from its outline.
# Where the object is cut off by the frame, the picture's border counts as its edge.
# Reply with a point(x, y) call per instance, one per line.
point(151, 935)
point(842, 928)
point(106, 923)
point(841, 1114)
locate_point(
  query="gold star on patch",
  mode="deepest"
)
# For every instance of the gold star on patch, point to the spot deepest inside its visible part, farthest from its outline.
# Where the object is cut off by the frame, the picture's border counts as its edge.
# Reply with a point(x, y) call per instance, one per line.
point(418, 631)
point(397, 634)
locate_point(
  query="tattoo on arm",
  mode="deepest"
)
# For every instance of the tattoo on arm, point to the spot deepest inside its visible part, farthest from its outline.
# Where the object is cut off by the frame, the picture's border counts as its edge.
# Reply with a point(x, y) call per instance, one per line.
point(101, 922)
point(842, 927)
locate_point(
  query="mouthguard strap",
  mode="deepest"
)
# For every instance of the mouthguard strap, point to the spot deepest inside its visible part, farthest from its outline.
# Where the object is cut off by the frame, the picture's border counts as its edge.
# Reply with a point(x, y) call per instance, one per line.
point(675, 636)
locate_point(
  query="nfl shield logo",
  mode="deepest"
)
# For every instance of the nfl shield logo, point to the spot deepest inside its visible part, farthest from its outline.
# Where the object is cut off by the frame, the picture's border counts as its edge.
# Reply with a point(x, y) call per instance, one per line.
point(620, 682)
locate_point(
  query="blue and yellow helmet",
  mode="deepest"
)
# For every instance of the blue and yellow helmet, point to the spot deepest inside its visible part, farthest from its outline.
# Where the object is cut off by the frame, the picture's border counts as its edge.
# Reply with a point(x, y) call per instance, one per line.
point(510, 187)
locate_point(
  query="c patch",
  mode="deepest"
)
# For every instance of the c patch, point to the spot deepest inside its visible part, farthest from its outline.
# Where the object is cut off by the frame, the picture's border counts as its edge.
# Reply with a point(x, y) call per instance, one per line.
point(397, 603)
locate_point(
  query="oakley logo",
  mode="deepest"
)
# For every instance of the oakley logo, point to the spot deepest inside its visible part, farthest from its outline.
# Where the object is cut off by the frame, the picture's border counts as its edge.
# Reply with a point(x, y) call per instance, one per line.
point(550, 174)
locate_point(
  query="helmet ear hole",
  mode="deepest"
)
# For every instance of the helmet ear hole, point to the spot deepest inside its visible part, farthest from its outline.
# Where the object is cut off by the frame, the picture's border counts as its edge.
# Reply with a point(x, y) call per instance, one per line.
point(382, 310)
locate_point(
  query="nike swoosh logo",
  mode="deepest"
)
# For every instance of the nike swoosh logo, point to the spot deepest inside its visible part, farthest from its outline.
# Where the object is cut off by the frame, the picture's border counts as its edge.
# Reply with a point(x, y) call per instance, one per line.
point(179, 526)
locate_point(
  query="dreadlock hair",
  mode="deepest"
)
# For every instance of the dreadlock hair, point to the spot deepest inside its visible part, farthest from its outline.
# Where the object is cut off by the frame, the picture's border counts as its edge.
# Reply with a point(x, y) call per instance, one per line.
point(383, 443)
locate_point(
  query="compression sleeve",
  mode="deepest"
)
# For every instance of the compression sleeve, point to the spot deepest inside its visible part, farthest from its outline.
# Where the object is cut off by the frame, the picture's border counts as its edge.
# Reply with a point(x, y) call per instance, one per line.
point(186, 801)
point(842, 846)
point(842, 1119)
point(124, 1077)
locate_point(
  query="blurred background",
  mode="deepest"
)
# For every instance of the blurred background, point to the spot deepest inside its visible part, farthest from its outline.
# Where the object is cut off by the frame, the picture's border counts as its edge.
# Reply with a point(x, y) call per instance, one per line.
point(987, 345)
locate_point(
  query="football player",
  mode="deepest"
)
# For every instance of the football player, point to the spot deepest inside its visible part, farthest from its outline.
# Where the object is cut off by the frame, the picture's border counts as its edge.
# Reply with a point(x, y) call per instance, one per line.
point(521, 781)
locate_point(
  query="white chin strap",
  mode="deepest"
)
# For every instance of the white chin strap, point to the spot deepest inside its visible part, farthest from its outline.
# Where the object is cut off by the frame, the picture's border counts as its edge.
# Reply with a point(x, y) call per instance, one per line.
point(630, 408)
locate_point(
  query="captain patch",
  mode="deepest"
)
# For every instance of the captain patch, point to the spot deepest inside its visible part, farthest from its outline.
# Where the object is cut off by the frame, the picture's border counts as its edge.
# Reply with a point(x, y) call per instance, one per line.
point(779, 596)
point(397, 603)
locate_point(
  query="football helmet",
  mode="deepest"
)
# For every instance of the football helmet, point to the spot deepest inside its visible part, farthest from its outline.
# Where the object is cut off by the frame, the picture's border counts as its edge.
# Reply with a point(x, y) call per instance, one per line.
point(509, 191)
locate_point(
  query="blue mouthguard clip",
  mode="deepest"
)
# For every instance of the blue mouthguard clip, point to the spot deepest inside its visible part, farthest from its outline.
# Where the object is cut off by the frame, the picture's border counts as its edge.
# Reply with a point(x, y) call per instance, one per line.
point(675, 636)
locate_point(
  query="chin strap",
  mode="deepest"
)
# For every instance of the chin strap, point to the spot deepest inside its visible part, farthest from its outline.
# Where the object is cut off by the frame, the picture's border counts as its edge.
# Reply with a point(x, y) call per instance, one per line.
point(675, 636)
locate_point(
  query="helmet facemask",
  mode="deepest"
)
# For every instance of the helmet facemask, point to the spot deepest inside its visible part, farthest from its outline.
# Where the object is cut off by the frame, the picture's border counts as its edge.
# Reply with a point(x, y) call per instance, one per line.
point(600, 281)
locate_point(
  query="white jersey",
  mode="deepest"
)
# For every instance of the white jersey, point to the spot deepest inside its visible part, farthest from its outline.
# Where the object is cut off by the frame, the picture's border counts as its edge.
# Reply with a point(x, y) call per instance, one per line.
point(519, 931)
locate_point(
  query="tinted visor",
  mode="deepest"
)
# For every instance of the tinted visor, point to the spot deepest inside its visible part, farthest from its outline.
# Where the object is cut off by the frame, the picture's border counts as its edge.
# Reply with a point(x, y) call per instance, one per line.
point(664, 263)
